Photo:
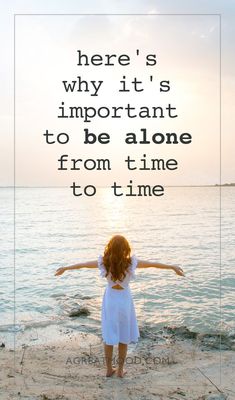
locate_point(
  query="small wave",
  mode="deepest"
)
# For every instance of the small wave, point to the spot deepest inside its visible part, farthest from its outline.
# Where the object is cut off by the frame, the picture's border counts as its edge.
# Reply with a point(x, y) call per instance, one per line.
point(29, 325)
point(58, 295)
point(11, 328)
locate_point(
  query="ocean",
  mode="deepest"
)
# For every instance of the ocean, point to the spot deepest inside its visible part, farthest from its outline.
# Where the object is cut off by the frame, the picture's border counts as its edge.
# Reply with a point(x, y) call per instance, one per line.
point(53, 228)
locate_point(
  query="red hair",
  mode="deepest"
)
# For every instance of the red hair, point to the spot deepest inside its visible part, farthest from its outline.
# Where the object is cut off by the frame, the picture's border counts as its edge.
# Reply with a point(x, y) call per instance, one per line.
point(117, 257)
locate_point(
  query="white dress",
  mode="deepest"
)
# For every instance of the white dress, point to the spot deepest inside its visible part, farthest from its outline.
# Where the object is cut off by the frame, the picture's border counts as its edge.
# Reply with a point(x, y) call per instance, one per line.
point(119, 324)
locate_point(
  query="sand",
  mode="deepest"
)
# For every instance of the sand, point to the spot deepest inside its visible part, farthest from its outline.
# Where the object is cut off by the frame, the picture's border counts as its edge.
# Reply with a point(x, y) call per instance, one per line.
point(72, 369)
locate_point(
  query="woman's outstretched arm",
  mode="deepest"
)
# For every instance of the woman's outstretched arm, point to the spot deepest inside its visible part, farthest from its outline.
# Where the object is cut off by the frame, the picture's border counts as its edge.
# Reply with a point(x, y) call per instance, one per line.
point(88, 264)
point(149, 264)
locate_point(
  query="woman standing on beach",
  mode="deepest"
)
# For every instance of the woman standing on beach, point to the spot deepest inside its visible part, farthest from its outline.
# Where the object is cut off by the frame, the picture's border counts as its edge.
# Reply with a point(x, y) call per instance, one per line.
point(119, 324)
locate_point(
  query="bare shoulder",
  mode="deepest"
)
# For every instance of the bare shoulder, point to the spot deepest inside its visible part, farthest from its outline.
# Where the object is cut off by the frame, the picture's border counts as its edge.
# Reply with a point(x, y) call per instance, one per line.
point(90, 264)
point(144, 264)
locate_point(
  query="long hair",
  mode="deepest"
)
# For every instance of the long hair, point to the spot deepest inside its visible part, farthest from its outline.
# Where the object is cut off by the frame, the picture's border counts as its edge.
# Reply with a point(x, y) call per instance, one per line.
point(117, 257)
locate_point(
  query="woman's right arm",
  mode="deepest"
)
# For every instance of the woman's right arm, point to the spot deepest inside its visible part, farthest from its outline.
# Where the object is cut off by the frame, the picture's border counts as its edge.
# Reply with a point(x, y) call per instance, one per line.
point(149, 264)
point(88, 264)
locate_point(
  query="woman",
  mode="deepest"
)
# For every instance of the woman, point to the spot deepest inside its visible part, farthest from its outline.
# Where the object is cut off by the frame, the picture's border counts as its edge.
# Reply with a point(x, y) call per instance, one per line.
point(119, 324)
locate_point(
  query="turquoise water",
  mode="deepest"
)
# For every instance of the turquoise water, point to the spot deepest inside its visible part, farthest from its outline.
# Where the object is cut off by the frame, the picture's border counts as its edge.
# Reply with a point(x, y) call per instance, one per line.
point(54, 229)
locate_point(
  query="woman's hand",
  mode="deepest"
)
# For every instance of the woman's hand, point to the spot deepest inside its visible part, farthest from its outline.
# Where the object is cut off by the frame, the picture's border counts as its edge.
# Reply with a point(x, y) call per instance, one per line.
point(178, 270)
point(60, 271)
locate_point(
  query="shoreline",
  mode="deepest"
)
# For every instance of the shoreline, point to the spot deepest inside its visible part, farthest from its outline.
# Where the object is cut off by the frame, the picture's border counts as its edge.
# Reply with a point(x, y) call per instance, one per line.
point(48, 331)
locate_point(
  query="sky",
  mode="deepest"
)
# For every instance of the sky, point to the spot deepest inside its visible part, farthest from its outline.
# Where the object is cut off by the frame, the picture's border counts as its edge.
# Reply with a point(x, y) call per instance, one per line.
point(187, 54)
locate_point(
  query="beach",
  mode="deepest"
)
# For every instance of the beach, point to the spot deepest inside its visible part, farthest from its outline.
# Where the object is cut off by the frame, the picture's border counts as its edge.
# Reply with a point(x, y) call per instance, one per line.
point(186, 348)
point(170, 365)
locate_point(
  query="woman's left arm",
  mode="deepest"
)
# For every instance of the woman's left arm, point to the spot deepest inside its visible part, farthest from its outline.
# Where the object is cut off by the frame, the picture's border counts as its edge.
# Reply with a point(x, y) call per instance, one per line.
point(88, 264)
point(149, 264)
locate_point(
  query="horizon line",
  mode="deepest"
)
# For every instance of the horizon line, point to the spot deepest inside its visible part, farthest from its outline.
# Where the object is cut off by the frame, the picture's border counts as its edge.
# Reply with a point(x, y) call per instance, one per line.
point(65, 186)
